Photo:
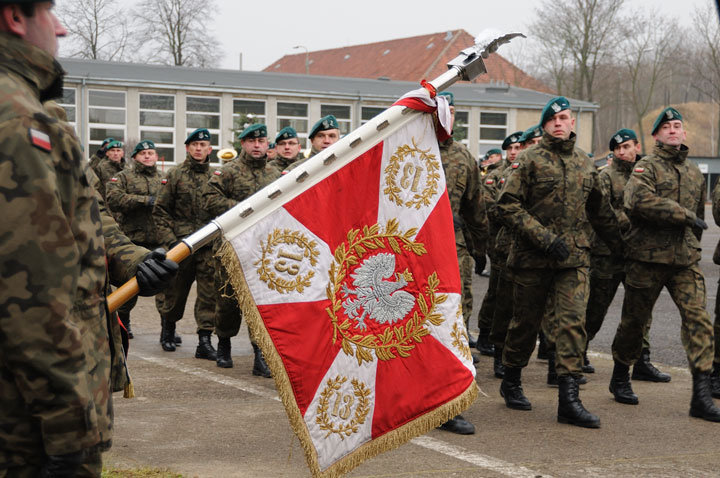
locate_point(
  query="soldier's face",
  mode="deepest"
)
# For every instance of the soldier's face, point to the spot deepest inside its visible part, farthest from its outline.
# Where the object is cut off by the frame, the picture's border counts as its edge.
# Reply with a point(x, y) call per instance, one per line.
point(255, 147)
point(627, 151)
point(560, 125)
point(493, 158)
point(271, 153)
point(198, 150)
point(323, 139)
point(42, 29)
point(513, 151)
point(671, 133)
point(288, 148)
point(114, 154)
point(148, 157)
point(532, 142)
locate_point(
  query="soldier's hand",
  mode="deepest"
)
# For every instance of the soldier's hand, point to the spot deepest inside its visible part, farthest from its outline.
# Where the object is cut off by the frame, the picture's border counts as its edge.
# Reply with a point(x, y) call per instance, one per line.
point(101, 152)
point(558, 250)
point(480, 263)
point(62, 466)
point(700, 223)
point(155, 272)
point(151, 201)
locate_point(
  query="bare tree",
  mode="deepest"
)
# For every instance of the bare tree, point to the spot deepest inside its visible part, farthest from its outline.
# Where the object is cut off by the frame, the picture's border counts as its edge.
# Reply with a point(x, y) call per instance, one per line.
point(97, 29)
point(706, 61)
point(177, 32)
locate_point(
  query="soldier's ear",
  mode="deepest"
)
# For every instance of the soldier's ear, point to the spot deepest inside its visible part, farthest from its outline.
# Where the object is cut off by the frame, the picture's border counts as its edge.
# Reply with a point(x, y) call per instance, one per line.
point(12, 20)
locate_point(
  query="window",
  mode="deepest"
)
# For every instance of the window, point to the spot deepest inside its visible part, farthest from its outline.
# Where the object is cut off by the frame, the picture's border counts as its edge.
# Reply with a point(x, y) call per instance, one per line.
point(493, 129)
point(246, 112)
point(106, 115)
point(204, 112)
point(460, 126)
point(342, 113)
point(69, 104)
point(157, 123)
point(294, 115)
point(369, 112)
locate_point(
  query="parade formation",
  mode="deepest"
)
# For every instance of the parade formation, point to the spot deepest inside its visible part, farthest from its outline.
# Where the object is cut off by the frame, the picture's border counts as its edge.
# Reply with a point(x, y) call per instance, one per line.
point(560, 234)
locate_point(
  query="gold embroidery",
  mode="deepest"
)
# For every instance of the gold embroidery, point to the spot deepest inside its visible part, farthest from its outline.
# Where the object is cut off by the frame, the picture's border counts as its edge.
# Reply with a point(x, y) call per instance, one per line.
point(460, 336)
point(411, 175)
point(394, 340)
point(342, 405)
point(286, 261)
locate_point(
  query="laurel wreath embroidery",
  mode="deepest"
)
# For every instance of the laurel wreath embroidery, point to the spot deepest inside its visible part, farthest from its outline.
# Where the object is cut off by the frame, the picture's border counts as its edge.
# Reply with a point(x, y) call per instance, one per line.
point(361, 393)
point(393, 190)
point(460, 336)
point(267, 260)
point(395, 340)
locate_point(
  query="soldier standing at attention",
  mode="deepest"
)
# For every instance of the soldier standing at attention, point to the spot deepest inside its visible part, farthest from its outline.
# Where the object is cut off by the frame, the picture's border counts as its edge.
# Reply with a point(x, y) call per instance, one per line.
point(100, 153)
point(234, 182)
point(132, 193)
point(665, 201)
point(288, 149)
point(180, 211)
point(466, 201)
point(715, 377)
point(109, 166)
point(547, 202)
point(323, 134)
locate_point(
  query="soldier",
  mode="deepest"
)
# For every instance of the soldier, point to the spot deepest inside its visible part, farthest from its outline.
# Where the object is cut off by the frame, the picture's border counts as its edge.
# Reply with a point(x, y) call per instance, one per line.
point(547, 202)
point(288, 149)
point(531, 136)
point(132, 193)
point(490, 160)
point(665, 201)
point(61, 354)
point(715, 377)
point(109, 166)
point(235, 181)
point(468, 208)
point(323, 134)
point(180, 211)
point(607, 267)
point(272, 151)
point(100, 153)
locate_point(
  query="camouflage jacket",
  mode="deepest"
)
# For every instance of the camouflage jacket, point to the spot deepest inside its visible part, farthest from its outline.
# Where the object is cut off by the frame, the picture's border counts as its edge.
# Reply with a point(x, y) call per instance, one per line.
point(663, 197)
point(95, 160)
point(281, 164)
point(180, 208)
point(716, 216)
point(106, 170)
point(553, 193)
point(491, 189)
point(132, 193)
point(300, 160)
point(613, 180)
point(237, 180)
point(53, 329)
point(466, 200)
point(503, 238)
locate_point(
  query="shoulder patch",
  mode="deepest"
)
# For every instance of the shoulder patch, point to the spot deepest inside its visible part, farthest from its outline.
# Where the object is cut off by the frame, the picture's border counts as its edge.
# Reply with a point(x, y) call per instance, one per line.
point(489, 181)
point(515, 165)
point(639, 170)
point(502, 180)
point(113, 180)
point(163, 181)
point(40, 140)
point(217, 172)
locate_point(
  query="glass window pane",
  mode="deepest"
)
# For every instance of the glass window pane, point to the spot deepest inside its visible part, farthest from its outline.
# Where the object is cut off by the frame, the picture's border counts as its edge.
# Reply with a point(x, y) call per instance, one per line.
point(248, 107)
point(339, 111)
point(292, 109)
point(157, 136)
point(152, 118)
point(165, 154)
point(157, 102)
point(107, 98)
point(70, 112)
point(461, 117)
point(99, 134)
point(493, 118)
point(497, 134)
point(68, 97)
point(205, 104)
point(369, 112)
point(344, 127)
point(203, 121)
point(301, 126)
point(99, 115)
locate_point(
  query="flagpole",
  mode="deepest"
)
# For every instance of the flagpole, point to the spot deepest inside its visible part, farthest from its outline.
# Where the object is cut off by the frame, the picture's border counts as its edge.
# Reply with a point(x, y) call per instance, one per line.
point(466, 66)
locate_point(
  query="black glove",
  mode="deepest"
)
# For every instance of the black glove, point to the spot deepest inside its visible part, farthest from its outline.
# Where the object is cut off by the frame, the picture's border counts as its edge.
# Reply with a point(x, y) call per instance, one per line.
point(101, 152)
point(62, 466)
point(155, 272)
point(151, 201)
point(558, 250)
point(480, 263)
point(700, 223)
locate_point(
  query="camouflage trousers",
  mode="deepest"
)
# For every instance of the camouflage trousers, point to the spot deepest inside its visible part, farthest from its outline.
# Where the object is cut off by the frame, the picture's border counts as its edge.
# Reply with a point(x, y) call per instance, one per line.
point(466, 264)
point(717, 328)
point(686, 285)
point(567, 290)
point(487, 309)
point(198, 268)
point(502, 315)
point(91, 468)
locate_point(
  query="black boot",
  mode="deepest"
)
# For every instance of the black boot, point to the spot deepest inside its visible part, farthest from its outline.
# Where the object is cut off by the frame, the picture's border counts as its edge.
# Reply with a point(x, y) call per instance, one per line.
point(570, 408)
point(260, 368)
point(542, 347)
point(125, 319)
point(483, 343)
point(177, 339)
point(472, 343)
point(715, 381)
point(645, 371)
point(224, 360)
point(701, 404)
point(458, 425)
point(552, 377)
point(204, 348)
point(587, 366)
point(511, 390)
point(167, 334)
point(620, 385)
point(498, 367)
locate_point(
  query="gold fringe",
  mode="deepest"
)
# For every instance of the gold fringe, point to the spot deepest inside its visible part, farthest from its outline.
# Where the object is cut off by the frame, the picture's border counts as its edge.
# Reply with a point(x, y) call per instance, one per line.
point(129, 390)
point(388, 441)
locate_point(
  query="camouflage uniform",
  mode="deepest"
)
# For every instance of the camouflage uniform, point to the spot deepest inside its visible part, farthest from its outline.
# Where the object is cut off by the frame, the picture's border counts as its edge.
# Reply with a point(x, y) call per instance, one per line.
point(180, 211)
point(281, 164)
point(300, 159)
point(716, 260)
point(105, 170)
point(468, 208)
point(553, 193)
point(234, 182)
point(663, 197)
point(60, 354)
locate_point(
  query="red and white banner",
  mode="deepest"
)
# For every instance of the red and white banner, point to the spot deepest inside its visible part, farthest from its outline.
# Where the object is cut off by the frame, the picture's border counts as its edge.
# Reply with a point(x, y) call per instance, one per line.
point(353, 292)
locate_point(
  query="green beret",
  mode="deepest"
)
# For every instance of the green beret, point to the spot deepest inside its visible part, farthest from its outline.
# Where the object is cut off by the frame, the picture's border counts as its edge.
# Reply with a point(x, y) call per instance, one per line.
point(106, 141)
point(493, 151)
point(272, 146)
point(141, 146)
point(286, 133)
point(257, 130)
point(668, 114)
point(114, 144)
point(621, 136)
point(554, 106)
point(325, 123)
point(513, 138)
point(200, 134)
point(532, 132)
point(450, 97)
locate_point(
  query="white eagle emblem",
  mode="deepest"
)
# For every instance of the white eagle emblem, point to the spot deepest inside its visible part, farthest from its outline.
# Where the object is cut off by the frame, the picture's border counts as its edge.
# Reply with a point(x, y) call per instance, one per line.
point(555, 107)
point(380, 299)
point(669, 114)
point(618, 139)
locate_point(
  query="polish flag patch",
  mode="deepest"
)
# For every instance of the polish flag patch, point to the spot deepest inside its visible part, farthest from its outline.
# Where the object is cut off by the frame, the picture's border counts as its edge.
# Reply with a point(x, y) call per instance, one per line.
point(113, 180)
point(639, 170)
point(163, 181)
point(217, 173)
point(489, 181)
point(40, 140)
point(515, 165)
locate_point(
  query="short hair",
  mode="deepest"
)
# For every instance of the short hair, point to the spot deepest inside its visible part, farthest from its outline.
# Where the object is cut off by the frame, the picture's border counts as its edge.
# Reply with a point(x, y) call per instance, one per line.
point(28, 9)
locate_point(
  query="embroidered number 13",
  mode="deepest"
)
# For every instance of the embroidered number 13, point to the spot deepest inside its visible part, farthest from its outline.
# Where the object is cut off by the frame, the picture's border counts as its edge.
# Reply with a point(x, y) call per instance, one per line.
point(343, 412)
point(414, 172)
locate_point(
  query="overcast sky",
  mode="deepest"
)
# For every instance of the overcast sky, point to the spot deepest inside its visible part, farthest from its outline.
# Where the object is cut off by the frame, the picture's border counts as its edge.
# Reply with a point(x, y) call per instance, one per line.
point(264, 38)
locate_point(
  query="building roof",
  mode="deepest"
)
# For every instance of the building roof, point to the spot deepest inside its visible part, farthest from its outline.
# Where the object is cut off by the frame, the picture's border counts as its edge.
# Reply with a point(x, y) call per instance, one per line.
point(407, 59)
point(285, 84)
